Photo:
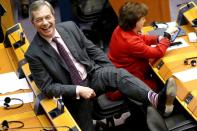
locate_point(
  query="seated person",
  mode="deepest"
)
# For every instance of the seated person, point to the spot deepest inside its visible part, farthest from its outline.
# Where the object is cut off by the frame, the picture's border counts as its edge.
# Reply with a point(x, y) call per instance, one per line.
point(63, 62)
point(131, 50)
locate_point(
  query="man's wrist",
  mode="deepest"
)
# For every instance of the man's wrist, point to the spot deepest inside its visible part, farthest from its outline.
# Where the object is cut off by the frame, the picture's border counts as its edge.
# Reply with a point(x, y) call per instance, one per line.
point(167, 35)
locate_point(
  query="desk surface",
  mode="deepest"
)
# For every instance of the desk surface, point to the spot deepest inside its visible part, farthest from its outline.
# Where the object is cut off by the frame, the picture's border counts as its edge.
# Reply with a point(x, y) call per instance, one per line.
point(26, 115)
point(34, 122)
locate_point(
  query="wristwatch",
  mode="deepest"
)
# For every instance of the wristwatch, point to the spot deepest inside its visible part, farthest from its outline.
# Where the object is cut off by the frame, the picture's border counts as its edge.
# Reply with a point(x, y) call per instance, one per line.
point(167, 35)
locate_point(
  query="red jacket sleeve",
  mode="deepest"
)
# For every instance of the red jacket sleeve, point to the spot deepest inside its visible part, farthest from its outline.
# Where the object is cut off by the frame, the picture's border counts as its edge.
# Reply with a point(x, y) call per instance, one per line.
point(139, 48)
point(149, 40)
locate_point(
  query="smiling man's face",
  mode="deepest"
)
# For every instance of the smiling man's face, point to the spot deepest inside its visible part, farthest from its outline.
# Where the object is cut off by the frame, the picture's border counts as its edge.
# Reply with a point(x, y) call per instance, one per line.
point(44, 21)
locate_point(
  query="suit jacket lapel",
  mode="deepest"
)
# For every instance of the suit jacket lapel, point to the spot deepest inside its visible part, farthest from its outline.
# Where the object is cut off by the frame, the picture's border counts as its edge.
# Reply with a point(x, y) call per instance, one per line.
point(70, 45)
point(48, 49)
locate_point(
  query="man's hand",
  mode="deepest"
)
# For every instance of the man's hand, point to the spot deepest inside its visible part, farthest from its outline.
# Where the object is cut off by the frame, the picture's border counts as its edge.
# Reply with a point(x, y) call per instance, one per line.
point(86, 92)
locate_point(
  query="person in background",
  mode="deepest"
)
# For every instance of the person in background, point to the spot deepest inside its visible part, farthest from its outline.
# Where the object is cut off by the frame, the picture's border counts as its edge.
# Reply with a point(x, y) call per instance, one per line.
point(63, 62)
point(131, 50)
point(24, 8)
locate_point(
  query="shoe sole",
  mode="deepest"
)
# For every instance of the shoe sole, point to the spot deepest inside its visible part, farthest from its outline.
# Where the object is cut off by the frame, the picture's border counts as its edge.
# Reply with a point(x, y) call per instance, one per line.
point(170, 94)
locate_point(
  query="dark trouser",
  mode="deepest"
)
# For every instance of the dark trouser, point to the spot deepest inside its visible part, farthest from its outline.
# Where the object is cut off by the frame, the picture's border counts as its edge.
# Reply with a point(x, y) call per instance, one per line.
point(110, 78)
point(81, 111)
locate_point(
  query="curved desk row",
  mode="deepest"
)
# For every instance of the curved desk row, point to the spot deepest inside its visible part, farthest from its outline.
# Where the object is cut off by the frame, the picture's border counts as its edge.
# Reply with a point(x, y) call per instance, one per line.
point(177, 62)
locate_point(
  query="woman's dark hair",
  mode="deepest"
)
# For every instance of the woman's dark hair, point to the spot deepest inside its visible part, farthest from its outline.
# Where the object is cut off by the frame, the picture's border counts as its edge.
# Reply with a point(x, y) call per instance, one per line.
point(130, 13)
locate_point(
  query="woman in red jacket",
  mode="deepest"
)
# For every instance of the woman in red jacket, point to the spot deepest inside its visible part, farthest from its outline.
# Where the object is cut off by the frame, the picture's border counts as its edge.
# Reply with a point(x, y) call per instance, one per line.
point(131, 50)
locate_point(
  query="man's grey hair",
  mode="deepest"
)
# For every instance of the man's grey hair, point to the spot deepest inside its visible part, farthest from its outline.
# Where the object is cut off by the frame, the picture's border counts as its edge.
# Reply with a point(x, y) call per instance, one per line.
point(38, 4)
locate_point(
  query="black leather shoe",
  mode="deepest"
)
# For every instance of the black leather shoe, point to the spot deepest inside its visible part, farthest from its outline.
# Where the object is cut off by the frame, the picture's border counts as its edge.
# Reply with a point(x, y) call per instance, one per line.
point(166, 97)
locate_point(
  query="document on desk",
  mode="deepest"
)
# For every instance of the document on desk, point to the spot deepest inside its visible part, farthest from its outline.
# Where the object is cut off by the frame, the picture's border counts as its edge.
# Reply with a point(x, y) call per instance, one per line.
point(186, 75)
point(9, 82)
point(184, 44)
point(25, 97)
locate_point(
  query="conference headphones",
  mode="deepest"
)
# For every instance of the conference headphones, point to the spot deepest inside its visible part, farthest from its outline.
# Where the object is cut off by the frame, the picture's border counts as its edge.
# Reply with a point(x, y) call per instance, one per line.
point(19, 125)
point(193, 61)
point(5, 125)
point(7, 100)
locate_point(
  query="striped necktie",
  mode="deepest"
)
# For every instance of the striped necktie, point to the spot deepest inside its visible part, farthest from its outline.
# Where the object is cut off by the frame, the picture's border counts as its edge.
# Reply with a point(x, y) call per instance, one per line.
point(74, 74)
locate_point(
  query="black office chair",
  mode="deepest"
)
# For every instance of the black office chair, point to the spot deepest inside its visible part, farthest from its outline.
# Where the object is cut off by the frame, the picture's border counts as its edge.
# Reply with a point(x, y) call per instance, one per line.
point(107, 109)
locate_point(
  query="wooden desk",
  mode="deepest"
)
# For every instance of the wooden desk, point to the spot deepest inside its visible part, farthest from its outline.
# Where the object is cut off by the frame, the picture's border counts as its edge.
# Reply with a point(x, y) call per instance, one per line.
point(7, 19)
point(5, 60)
point(173, 62)
point(26, 115)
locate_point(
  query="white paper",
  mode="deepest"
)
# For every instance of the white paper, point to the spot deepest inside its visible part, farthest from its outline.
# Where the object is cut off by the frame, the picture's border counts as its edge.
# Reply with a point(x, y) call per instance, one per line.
point(25, 97)
point(168, 24)
point(186, 75)
point(9, 82)
point(172, 24)
point(184, 44)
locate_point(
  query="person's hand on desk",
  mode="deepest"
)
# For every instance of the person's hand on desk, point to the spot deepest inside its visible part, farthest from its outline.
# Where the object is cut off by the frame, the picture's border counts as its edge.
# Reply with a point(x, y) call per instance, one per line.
point(171, 30)
point(85, 92)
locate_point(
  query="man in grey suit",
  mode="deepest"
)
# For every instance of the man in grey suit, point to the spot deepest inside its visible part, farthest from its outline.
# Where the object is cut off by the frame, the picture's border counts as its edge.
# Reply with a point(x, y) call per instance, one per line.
point(53, 75)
